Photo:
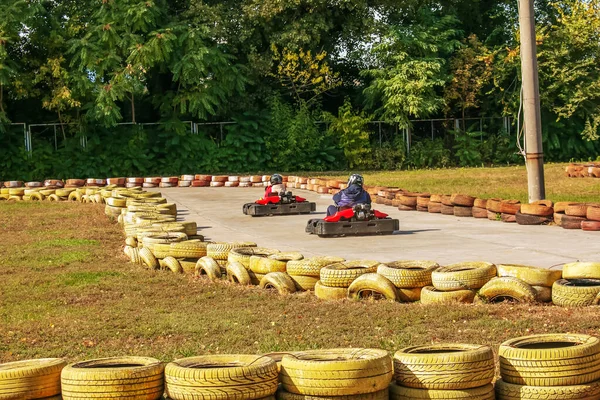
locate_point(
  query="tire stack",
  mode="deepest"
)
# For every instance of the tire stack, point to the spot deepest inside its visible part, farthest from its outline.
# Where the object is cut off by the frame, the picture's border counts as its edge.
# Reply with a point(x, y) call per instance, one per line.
point(579, 286)
point(409, 277)
point(423, 202)
point(493, 209)
point(443, 371)
point(218, 180)
point(537, 213)
point(232, 181)
point(336, 278)
point(509, 210)
point(185, 180)
point(270, 272)
point(221, 377)
point(408, 201)
point(31, 379)
point(447, 207)
point(134, 182)
point(201, 180)
point(114, 378)
point(550, 366)
point(220, 252)
point(463, 204)
point(538, 279)
point(457, 282)
point(151, 182)
point(360, 374)
point(168, 181)
point(574, 215)
point(244, 256)
point(306, 272)
point(117, 182)
point(435, 204)
point(479, 208)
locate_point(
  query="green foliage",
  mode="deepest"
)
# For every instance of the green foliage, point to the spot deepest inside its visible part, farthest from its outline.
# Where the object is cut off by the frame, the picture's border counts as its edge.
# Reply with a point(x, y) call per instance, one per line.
point(429, 154)
point(389, 156)
point(467, 148)
point(350, 129)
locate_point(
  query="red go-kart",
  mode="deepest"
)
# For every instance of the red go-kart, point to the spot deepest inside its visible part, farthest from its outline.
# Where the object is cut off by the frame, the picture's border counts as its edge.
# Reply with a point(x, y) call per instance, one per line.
point(284, 203)
point(354, 221)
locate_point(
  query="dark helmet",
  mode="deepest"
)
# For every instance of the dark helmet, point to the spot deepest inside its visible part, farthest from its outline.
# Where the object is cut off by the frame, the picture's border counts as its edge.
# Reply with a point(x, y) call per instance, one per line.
point(276, 179)
point(356, 179)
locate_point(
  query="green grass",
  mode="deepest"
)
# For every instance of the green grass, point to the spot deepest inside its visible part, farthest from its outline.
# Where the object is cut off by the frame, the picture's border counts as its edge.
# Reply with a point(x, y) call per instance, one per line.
point(498, 182)
point(68, 291)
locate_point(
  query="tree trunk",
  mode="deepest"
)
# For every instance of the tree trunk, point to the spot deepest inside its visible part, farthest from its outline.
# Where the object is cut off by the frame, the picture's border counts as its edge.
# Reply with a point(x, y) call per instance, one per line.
point(132, 108)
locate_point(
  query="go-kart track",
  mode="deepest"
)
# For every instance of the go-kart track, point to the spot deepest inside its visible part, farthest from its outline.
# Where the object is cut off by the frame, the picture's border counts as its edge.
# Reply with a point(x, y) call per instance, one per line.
point(441, 238)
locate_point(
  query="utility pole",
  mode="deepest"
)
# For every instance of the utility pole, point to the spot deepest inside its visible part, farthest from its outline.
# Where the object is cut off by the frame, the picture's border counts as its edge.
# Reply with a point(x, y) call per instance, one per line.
point(534, 152)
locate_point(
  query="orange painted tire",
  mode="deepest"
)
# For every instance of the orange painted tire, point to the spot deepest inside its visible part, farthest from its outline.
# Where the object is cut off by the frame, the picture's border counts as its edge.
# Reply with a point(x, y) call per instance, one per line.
point(481, 203)
point(585, 225)
point(510, 218)
point(407, 200)
point(593, 213)
point(479, 212)
point(434, 208)
point(462, 211)
point(447, 210)
point(217, 184)
point(537, 209)
point(447, 200)
point(493, 205)
point(219, 178)
point(463, 200)
point(203, 177)
point(435, 198)
point(510, 206)
point(561, 206)
point(576, 210)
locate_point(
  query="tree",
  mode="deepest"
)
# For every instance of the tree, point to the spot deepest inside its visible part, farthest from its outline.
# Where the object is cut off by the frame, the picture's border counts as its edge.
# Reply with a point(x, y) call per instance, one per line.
point(411, 68)
point(471, 69)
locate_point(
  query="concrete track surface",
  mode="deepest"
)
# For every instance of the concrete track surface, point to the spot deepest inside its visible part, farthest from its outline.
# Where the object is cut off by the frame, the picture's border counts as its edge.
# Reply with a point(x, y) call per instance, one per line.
point(422, 236)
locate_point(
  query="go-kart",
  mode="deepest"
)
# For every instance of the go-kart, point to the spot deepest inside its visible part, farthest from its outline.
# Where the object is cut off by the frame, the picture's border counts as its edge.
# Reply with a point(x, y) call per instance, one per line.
point(284, 203)
point(357, 220)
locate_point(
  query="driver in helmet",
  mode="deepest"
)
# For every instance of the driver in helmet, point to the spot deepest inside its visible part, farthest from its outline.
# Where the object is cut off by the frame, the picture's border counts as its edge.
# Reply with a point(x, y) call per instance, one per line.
point(276, 186)
point(349, 197)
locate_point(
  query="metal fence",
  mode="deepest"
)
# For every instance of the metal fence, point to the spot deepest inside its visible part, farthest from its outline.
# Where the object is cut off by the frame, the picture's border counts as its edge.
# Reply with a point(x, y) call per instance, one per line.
point(380, 131)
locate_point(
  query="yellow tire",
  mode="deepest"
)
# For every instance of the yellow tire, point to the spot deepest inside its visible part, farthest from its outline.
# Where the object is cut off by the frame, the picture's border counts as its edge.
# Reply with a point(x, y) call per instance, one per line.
point(183, 249)
point(330, 293)
point(581, 270)
point(576, 292)
point(430, 295)
point(279, 281)
point(408, 274)
point(148, 258)
point(336, 372)
point(134, 256)
point(255, 278)
point(237, 273)
point(75, 196)
point(550, 360)
point(534, 276)
point(209, 267)
point(220, 251)
point(381, 395)
point(311, 266)
point(451, 366)
point(304, 283)
point(343, 274)
point(265, 265)
point(372, 285)
point(116, 202)
point(54, 197)
point(398, 392)
point(173, 264)
point(31, 379)
point(221, 377)
point(131, 241)
point(243, 254)
point(115, 377)
point(37, 196)
point(461, 276)
point(510, 391)
point(507, 288)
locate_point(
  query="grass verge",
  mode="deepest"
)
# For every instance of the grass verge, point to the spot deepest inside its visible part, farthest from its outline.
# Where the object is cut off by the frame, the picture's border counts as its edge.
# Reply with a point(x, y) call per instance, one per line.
point(501, 182)
point(101, 305)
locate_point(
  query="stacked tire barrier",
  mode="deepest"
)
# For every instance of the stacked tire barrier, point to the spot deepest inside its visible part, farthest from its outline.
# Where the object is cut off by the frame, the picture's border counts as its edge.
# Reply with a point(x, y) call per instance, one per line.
point(565, 366)
point(547, 366)
point(591, 170)
point(443, 371)
point(568, 215)
point(156, 239)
